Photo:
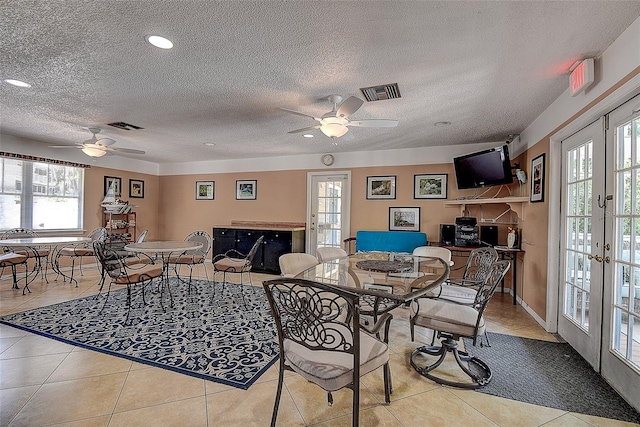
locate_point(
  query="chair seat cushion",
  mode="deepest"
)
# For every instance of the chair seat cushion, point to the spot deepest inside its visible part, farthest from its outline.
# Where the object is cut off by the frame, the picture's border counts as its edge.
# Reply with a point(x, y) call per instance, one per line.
point(76, 252)
point(332, 370)
point(232, 265)
point(41, 253)
point(9, 259)
point(445, 316)
point(459, 294)
point(186, 259)
point(134, 259)
point(139, 272)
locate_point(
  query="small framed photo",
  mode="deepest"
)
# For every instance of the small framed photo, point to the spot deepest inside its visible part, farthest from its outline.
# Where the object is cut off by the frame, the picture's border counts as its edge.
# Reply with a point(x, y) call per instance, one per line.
point(537, 179)
point(136, 188)
point(246, 190)
point(404, 219)
point(381, 187)
point(117, 185)
point(430, 186)
point(205, 190)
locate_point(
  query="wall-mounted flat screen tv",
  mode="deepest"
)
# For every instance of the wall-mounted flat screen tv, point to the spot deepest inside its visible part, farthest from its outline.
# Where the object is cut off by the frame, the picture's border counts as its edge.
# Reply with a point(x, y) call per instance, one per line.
point(484, 168)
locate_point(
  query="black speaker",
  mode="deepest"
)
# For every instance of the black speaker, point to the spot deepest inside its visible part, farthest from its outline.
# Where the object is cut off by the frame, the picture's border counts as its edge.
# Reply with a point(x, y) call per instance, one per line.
point(489, 234)
point(447, 234)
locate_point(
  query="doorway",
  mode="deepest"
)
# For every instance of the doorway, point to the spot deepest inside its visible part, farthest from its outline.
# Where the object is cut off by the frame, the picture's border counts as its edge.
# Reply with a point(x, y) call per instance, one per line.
point(328, 209)
point(599, 295)
point(620, 363)
point(582, 231)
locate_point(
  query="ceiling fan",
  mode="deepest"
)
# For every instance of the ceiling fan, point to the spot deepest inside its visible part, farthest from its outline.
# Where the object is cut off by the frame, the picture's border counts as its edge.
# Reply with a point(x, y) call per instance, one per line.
point(95, 147)
point(336, 122)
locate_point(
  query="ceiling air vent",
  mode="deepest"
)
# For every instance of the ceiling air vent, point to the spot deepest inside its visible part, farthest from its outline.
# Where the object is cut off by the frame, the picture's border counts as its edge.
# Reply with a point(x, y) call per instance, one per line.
point(378, 93)
point(125, 126)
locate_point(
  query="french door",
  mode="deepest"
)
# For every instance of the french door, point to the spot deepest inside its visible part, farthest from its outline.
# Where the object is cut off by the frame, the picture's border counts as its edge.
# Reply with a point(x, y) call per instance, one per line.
point(328, 209)
point(582, 231)
point(599, 313)
point(621, 316)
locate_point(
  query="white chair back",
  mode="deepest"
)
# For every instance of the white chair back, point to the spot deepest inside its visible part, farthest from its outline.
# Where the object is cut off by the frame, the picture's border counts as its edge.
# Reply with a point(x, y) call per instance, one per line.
point(434, 251)
point(295, 263)
point(329, 253)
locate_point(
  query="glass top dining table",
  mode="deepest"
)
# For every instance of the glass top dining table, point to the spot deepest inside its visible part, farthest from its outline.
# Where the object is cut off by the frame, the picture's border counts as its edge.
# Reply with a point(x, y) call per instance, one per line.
point(400, 278)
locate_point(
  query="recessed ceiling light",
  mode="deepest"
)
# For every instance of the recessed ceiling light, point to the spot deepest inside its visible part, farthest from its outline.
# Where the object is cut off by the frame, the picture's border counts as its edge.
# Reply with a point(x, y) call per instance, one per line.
point(17, 83)
point(308, 135)
point(442, 124)
point(160, 42)
point(210, 144)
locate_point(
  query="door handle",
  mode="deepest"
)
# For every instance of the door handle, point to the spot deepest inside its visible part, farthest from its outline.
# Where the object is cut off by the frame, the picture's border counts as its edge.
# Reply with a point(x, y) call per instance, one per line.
point(598, 258)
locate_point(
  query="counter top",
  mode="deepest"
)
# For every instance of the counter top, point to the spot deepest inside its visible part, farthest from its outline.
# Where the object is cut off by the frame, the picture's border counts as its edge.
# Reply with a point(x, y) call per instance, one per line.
point(254, 225)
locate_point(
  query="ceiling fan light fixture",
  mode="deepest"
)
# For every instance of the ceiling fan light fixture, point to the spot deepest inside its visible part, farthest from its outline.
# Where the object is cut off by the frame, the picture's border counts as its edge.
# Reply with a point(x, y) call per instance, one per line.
point(93, 152)
point(334, 130)
point(159, 41)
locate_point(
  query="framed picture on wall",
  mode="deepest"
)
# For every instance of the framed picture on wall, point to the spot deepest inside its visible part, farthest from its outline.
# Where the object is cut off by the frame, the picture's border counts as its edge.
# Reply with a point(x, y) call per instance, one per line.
point(537, 179)
point(117, 185)
point(205, 190)
point(404, 219)
point(136, 188)
point(246, 189)
point(430, 186)
point(381, 187)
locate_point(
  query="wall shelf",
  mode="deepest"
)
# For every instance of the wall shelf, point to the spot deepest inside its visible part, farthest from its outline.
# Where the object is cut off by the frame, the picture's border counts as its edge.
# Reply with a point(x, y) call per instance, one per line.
point(120, 225)
point(516, 204)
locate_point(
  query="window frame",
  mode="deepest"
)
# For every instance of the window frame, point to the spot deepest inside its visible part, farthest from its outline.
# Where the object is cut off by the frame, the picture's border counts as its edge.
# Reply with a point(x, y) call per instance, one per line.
point(25, 191)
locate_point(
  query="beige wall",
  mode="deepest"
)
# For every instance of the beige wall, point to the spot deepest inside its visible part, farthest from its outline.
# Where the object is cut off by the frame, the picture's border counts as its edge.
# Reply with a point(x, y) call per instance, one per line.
point(174, 212)
point(532, 264)
point(281, 196)
point(147, 210)
point(374, 214)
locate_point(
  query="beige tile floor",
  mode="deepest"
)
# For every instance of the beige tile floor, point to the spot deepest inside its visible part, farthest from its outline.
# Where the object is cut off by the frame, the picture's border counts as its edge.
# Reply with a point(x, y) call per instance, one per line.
point(47, 383)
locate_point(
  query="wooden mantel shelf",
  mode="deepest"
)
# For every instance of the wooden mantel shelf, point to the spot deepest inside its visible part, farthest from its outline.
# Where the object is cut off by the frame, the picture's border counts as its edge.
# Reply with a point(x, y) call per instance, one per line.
point(516, 204)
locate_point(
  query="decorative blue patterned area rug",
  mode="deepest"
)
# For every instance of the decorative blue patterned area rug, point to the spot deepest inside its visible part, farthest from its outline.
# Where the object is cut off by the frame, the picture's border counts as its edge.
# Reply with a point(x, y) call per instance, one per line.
point(230, 341)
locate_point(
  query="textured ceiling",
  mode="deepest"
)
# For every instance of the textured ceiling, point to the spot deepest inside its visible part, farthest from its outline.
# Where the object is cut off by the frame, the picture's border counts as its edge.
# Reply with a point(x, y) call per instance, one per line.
point(490, 68)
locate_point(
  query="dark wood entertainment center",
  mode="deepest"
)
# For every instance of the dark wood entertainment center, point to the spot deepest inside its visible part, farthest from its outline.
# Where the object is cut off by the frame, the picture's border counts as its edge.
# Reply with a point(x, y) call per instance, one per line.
point(279, 238)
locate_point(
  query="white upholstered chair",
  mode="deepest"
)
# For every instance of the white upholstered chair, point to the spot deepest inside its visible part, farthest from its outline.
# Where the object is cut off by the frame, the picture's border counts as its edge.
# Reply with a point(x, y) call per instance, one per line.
point(292, 264)
point(330, 253)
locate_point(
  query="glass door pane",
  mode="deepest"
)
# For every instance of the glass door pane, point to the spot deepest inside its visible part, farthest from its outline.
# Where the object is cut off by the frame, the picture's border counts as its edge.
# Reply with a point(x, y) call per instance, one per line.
point(625, 327)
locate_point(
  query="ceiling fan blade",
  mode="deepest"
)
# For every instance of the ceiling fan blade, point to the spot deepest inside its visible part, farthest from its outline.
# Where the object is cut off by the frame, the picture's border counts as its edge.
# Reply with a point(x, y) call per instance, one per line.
point(91, 140)
point(123, 150)
point(349, 106)
point(304, 129)
point(299, 113)
point(65, 146)
point(374, 123)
